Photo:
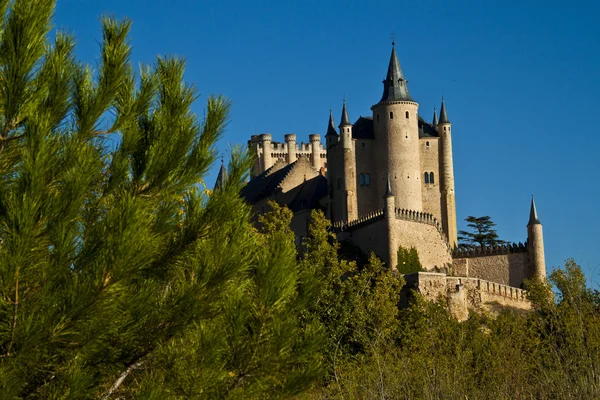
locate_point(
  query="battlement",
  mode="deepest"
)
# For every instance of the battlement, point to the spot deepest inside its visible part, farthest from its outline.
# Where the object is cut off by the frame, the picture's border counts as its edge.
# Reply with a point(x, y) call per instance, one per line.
point(489, 288)
point(424, 218)
point(342, 226)
point(482, 251)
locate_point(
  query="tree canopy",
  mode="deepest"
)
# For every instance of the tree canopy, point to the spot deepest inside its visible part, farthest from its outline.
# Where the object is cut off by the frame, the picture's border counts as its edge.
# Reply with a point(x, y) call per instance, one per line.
point(482, 233)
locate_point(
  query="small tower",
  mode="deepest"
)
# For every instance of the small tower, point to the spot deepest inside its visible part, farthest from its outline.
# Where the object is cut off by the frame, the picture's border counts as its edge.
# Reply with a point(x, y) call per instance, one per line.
point(390, 215)
point(315, 156)
point(435, 118)
point(447, 177)
point(331, 137)
point(290, 141)
point(349, 162)
point(396, 130)
point(535, 244)
point(221, 177)
point(267, 147)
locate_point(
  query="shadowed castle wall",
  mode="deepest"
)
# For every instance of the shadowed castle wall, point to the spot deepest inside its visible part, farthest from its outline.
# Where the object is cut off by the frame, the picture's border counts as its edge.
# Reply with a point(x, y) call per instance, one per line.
point(368, 196)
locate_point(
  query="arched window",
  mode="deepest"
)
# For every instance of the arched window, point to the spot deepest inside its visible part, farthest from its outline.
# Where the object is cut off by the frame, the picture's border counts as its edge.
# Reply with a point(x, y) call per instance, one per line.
point(431, 180)
point(391, 115)
point(426, 176)
point(407, 114)
point(362, 179)
point(367, 179)
point(427, 144)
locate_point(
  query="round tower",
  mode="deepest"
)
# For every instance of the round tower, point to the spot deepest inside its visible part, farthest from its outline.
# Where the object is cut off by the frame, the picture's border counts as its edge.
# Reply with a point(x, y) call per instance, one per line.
point(267, 159)
point(444, 128)
point(535, 244)
point(315, 156)
point(349, 162)
point(290, 140)
point(396, 128)
point(389, 210)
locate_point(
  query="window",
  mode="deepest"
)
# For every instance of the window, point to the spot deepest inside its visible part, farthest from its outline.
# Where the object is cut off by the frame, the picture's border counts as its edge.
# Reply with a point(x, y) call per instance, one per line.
point(427, 144)
point(367, 179)
point(391, 115)
point(362, 180)
point(426, 176)
point(407, 114)
point(431, 180)
point(444, 129)
point(377, 117)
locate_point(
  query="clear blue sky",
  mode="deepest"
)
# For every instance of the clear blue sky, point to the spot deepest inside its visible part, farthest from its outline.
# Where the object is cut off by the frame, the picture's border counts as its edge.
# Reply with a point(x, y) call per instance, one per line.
point(521, 81)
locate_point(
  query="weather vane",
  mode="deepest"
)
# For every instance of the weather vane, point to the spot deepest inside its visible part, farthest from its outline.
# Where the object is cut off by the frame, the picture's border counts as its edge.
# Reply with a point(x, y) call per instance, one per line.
point(393, 37)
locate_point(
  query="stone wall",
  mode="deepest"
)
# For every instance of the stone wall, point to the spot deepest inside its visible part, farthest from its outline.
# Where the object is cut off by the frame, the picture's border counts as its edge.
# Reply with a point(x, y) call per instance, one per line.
point(369, 197)
point(463, 293)
point(507, 269)
point(430, 162)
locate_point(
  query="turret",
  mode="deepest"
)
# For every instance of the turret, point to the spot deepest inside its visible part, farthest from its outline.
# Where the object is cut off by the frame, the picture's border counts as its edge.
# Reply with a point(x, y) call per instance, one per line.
point(349, 163)
point(253, 147)
point(396, 128)
point(290, 140)
point(390, 215)
point(221, 177)
point(447, 177)
point(389, 200)
point(315, 154)
point(435, 118)
point(331, 137)
point(535, 244)
point(267, 159)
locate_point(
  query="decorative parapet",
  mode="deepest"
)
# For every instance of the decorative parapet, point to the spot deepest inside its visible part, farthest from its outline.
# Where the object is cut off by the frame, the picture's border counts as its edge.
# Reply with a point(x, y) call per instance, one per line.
point(342, 226)
point(490, 288)
point(424, 218)
point(482, 251)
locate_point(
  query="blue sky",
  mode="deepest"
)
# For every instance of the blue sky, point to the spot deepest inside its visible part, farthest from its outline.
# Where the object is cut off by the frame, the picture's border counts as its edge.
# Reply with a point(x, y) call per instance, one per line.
point(521, 81)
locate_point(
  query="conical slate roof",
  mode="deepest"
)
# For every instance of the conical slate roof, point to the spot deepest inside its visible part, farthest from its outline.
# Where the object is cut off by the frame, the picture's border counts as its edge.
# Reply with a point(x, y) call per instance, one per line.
point(345, 120)
point(533, 215)
point(395, 87)
point(444, 114)
point(331, 127)
point(435, 119)
point(221, 177)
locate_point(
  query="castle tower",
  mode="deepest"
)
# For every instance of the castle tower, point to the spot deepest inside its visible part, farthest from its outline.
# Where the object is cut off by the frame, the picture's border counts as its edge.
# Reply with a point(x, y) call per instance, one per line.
point(395, 124)
point(315, 156)
point(349, 162)
point(390, 214)
point(535, 243)
point(221, 177)
point(447, 177)
point(331, 137)
point(290, 140)
point(435, 118)
point(267, 159)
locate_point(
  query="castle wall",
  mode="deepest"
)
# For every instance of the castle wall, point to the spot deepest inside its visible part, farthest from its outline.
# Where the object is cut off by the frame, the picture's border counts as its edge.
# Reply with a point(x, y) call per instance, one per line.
point(430, 162)
point(370, 237)
point(368, 196)
point(301, 172)
point(507, 269)
point(432, 248)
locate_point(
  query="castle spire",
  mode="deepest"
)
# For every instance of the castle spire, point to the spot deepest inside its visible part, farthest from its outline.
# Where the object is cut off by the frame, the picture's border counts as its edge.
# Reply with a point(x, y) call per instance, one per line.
point(331, 127)
point(444, 114)
point(345, 120)
point(221, 177)
point(395, 86)
point(388, 188)
point(435, 118)
point(533, 215)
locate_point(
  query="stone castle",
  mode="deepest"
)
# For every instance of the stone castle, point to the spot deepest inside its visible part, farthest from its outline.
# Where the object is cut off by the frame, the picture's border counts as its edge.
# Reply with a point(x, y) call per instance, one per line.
point(385, 181)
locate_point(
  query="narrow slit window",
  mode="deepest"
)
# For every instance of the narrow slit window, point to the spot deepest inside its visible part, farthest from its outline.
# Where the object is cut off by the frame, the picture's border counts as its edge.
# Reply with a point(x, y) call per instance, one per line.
point(427, 144)
point(367, 179)
point(391, 115)
point(426, 176)
point(431, 178)
point(407, 114)
point(362, 180)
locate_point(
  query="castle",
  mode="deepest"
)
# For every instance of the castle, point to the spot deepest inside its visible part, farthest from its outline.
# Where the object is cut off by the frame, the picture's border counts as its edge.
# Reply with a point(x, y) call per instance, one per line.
point(385, 181)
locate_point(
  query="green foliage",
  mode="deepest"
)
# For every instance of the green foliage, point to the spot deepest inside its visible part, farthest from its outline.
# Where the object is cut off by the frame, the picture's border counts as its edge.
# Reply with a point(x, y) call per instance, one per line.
point(483, 235)
point(119, 275)
point(408, 261)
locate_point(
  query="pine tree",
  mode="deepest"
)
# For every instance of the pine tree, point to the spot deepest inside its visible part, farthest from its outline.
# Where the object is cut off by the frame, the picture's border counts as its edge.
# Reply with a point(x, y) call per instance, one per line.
point(119, 275)
point(483, 235)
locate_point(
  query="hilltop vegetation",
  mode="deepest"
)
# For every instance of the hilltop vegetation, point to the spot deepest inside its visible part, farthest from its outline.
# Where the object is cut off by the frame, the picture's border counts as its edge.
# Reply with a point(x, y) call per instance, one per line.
point(122, 277)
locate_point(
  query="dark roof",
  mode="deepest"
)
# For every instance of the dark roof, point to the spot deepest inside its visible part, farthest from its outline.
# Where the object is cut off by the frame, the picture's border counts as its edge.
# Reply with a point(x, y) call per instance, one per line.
point(444, 114)
point(331, 127)
point(426, 129)
point(435, 119)
point(221, 178)
point(345, 120)
point(395, 87)
point(533, 215)
point(264, 185)
point(311, 191)
point(363, 128)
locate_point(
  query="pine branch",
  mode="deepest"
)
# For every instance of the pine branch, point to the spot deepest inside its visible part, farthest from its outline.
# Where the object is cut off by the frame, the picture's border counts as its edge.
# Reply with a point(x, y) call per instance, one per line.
point(122, 378)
